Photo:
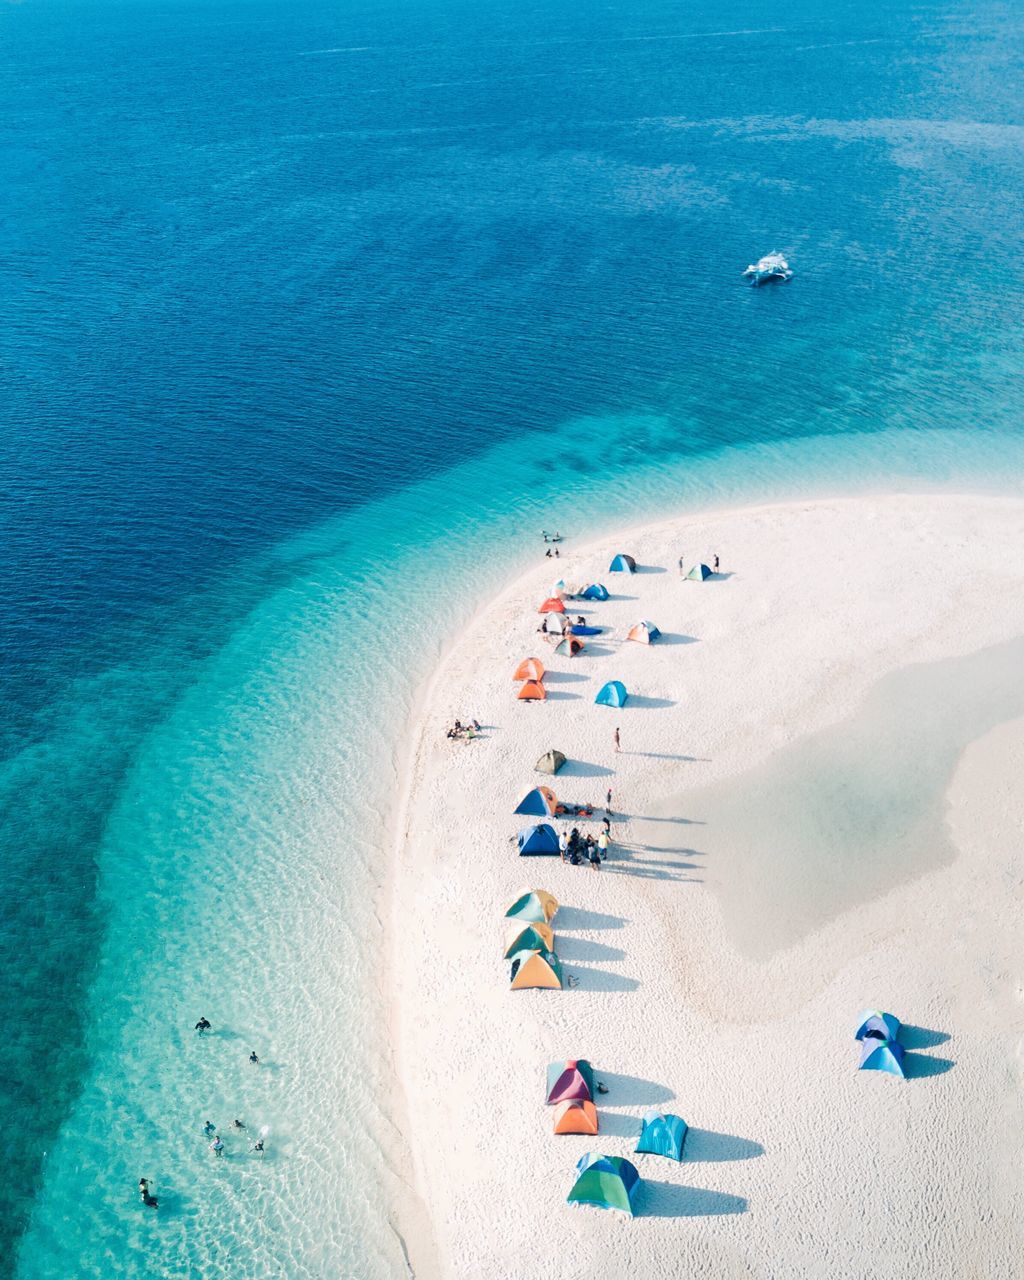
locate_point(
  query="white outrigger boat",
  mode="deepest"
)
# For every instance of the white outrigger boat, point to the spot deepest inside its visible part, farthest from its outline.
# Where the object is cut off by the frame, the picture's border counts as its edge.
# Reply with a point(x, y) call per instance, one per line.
point(773, 266)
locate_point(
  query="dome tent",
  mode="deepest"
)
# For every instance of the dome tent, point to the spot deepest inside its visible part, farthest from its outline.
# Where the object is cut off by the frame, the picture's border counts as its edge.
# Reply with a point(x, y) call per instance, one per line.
point(612, 694)
point(540, 802)
point(532, 691)
point(541, 969)
point(643, 633)
point(699, 572)
point(570, 647)
point(552, 605)
point(535, 905)
point(595, 591)
point(662, 1135)
point(883, 1055)
point(540, 838)
point(575, 1117)
point(529, 669)
point(550, 762)
point(571, 1081)
point(876, 1025)
point(523, 935)
point(608, 1182)
point(622, 564)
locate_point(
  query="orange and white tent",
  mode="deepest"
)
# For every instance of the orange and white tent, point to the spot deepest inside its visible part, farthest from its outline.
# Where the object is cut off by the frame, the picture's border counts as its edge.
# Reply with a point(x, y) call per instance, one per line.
point(552, 605)
point(532, 691)
point(530, 669)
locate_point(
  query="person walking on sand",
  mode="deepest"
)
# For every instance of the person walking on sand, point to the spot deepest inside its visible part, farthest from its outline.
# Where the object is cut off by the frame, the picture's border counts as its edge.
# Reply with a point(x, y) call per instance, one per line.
point(617, 740)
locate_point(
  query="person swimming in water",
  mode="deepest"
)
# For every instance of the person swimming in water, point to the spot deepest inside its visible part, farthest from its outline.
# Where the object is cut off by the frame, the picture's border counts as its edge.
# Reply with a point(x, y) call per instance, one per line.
point(209, 1129)
point(253, 1060)
point(237, 1124)
point(217, 1146)
point(203, 1025)
point(257, 1147)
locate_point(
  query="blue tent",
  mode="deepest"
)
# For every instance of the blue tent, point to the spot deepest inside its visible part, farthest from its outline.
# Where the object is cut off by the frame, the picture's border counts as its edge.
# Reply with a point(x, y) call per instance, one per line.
point(882, 1055)
point(612, 694)
point(699, 572)
point(662, 1135)
point(609, 1182)
point(538, 839)
point(875, 1025)
point(622, 564)
point(540, 802)
point(595, 592)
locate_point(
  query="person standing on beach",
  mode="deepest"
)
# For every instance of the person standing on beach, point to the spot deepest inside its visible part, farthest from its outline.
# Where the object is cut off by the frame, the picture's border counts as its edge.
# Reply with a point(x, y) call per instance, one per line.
point(681, 566)
point(608, 803)
point(563, 845)
point(716, 564)
point(602, 844)
point(616, 740)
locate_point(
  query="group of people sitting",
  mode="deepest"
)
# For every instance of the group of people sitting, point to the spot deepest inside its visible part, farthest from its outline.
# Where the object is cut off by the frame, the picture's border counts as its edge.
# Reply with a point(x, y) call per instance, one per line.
point(462, 731)
point(578, 849)
point(574, 810)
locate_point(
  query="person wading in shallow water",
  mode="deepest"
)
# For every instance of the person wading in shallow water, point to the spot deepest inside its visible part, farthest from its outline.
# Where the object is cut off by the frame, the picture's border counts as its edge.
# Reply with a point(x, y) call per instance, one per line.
point(202, 1026)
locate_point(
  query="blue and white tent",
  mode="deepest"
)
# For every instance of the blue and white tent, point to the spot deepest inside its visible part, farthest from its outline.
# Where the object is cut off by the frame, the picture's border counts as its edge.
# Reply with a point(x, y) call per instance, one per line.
point(662, 1135)
point(622, 564)
point(596, 591)
point(612, 694)
point(541, 838)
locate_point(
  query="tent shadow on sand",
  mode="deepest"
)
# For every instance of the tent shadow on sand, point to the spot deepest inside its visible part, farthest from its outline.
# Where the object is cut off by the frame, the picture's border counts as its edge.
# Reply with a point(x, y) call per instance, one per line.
point(650, 568)
point(912, 1037)
point(667, 637)
point(581, 769)
point(562, 695)
point(641, 700)
point(917, 1066)
point(631, 1091)
point(563, 677)
point(706, 1145)
point(588, 979)
point(581, 918)
point(581, 950)
point(667, 1200)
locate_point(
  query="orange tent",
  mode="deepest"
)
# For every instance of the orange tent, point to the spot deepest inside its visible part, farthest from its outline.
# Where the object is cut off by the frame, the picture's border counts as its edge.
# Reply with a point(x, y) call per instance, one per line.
point(530, 669)
point(552, 605)
point(575, 1117)
point(532, 691)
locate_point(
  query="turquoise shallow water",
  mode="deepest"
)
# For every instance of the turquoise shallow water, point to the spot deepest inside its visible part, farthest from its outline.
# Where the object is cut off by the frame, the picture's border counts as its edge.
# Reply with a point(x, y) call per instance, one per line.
point(313, 318)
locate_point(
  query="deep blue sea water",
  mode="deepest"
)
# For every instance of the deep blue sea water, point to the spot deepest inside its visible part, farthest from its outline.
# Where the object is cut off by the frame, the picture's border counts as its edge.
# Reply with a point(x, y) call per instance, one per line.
point(313, 315)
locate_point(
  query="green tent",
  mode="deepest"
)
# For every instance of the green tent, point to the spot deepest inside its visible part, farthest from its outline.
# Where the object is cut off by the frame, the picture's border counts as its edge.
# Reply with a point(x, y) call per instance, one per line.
point(608, 1182)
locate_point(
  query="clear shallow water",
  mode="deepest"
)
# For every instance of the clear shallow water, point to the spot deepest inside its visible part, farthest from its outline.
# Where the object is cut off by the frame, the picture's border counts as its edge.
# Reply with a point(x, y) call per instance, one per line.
point(300, 345)
point(842, 815)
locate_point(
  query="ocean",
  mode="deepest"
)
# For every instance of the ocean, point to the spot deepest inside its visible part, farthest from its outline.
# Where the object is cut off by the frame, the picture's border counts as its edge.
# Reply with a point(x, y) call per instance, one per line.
point(315, 316)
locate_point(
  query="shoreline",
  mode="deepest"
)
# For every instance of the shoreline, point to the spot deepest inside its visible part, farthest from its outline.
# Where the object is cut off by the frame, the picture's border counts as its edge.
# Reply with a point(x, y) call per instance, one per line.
point(458, 884)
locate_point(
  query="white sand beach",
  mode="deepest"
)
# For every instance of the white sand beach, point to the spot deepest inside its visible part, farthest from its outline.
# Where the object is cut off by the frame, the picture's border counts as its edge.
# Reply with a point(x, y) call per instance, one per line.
point(699, 992)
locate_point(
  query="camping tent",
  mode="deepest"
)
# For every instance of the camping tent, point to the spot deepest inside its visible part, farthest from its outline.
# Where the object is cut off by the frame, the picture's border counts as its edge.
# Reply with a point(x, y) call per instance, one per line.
point(699, 572)
point(538, 838)
point(570, 647)
point(525, 936)
point(534, 905)
point(532, 691)
point(609, 1182)
point(882, 1055)
point(643, 633)
point(622, 564)
point(540, 801)
point(550, 762)
point(576, 1117)
point(555, 624)
point(571, 1081)
point(552, 605)
point(530, 669)
point(875, 1025)
point(536, 969)
point(596, 591)
point(612, 694)
point(662, 1135)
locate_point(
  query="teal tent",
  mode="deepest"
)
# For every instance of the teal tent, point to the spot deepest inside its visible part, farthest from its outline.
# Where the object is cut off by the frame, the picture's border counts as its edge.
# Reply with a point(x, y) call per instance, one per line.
point(596, 591)
point(539, 839)
point(699, 572)
point(622, 564)
point(612, 694)
point(609, 1182)
point(662, 1135)
point(882, 1055)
